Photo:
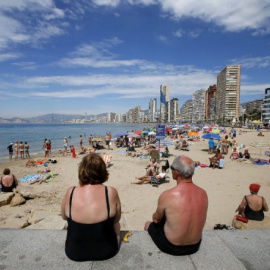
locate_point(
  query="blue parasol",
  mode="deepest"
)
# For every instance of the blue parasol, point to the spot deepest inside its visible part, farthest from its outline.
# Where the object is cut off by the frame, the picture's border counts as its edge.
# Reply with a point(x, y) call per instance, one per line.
point(119, 134)
point(211, 135)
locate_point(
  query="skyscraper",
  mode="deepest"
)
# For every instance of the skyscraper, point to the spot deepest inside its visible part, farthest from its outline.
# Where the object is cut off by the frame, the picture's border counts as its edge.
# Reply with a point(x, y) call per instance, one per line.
point(165, 108)
point(174, 110)
point(210, 103)
point(198, 101)
point(152, 110)
point(228, 93)
point(266, 107)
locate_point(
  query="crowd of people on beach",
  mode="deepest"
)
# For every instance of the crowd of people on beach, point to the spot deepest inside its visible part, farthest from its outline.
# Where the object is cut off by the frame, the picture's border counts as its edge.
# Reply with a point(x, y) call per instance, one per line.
point(19, 148)
point(92, 208)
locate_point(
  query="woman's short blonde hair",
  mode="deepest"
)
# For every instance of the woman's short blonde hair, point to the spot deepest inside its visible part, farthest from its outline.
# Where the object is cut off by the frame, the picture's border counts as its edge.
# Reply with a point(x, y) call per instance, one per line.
point(92, 170)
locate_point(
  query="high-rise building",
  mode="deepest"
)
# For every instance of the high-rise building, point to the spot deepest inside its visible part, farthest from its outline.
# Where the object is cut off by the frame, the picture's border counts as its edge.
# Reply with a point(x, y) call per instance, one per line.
point(210, 103)
point(228, 93)
point(266, 105)
point(133, 115)
point(165, 109)
point(152, 110)
point(174, 110)
point(186, 112)
point(198, 101)
point(111, 117)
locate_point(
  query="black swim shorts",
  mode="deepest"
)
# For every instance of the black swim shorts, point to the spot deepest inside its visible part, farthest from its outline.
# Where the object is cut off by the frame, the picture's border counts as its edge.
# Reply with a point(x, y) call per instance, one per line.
point(156, 231)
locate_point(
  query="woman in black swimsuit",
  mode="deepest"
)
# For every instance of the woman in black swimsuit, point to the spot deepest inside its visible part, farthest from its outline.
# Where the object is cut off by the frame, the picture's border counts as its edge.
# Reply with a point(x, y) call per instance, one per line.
point(9, 182)
point(93, 212)
point(253, 205)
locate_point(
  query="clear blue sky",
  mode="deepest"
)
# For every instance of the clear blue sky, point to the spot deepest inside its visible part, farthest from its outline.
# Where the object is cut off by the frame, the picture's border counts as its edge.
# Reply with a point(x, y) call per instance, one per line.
point(83, 56)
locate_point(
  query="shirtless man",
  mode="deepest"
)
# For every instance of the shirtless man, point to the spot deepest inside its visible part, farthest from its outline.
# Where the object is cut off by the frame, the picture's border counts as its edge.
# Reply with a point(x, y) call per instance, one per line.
point(26, 148)
point(181, 212)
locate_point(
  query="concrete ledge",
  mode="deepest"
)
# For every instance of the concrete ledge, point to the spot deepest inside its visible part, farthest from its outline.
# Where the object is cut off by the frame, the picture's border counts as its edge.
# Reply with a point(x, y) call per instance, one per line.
point(44, 249)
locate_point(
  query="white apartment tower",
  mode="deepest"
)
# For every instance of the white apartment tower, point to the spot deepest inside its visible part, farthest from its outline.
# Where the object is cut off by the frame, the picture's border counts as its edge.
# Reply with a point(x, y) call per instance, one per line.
point(228, 93)
point(266, 105)
point(174, 110)
point(165, 109)
point(152, 110)
point(198, 104)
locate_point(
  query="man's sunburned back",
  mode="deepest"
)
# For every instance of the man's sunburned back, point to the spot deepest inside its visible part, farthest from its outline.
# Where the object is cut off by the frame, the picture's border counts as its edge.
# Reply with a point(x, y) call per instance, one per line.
point(185, 210)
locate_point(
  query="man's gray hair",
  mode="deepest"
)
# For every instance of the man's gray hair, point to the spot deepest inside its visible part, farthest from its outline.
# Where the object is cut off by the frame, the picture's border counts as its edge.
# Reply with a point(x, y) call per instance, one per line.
point(185, 168)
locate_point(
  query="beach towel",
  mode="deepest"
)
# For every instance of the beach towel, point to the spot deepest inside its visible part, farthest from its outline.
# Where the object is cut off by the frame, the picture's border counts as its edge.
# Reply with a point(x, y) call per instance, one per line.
point(30, 178)
point(261, 163)
point(121, 152)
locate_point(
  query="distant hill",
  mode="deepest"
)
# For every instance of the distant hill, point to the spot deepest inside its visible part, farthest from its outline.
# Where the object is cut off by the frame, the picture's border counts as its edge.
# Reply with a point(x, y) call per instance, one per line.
point(53, 117)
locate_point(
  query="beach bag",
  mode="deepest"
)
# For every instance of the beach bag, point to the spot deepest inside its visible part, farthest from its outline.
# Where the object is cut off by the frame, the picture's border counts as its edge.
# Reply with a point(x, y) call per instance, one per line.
point(241, 218)
point(239, 224)
point(221, 163)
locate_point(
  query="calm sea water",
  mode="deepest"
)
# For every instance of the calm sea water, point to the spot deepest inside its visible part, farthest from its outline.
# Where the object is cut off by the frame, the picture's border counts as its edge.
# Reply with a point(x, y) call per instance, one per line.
point(35, 134)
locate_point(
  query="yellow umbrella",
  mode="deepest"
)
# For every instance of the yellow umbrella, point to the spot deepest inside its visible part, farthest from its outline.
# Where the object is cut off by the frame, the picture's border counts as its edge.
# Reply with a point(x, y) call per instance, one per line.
point(256, 121)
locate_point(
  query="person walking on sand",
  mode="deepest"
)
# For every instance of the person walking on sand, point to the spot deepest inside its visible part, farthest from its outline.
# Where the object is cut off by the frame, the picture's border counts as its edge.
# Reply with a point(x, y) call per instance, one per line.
point(21, 147)
point(10, 150)
point(81, 142)
point(180, 216)
point(65, 143)
point(26, 148)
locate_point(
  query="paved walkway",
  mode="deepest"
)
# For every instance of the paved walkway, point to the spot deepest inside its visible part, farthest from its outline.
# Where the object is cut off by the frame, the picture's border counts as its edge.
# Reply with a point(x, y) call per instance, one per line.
point(44, 249)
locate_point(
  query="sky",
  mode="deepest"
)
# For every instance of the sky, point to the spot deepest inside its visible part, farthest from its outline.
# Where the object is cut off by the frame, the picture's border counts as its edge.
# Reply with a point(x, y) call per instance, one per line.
point(97, 56)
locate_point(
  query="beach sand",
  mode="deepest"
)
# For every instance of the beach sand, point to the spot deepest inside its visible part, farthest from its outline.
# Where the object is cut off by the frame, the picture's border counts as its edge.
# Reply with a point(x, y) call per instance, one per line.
point(225, 187)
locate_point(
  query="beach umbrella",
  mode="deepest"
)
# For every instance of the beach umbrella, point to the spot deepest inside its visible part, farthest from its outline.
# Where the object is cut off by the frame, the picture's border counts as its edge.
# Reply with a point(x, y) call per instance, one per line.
point(97, 139)
point(211, 135)
point(216, 130)
point(133, 135)
point(152, 133)
point(175, 128)
point(146, 132)
point(138, 132)
point(119, 134)
point(186, 126)
point(205, 127)
point(192, 133)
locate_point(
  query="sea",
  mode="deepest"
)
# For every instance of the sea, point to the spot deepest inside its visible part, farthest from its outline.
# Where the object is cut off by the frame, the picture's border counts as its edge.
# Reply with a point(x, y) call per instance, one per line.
point(34, 134)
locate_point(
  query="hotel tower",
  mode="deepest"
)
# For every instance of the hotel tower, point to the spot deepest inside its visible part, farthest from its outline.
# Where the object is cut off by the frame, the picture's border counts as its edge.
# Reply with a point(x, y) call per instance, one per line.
point(228, 93)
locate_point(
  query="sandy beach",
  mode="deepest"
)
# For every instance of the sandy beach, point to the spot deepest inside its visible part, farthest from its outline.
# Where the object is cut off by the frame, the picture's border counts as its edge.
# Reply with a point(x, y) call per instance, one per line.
point(225, 187)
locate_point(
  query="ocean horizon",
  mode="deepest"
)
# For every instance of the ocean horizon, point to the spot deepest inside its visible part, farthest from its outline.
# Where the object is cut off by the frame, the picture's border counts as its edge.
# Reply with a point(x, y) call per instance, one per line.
point(34, 134)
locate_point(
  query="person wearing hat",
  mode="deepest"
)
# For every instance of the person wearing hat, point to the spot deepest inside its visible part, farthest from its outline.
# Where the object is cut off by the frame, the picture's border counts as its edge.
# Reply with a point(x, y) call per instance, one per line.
point(10, 150)
point(253, 205)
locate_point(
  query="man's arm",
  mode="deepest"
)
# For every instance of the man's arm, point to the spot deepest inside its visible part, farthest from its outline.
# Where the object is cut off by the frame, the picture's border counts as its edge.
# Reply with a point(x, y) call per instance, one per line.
point(160, 211)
